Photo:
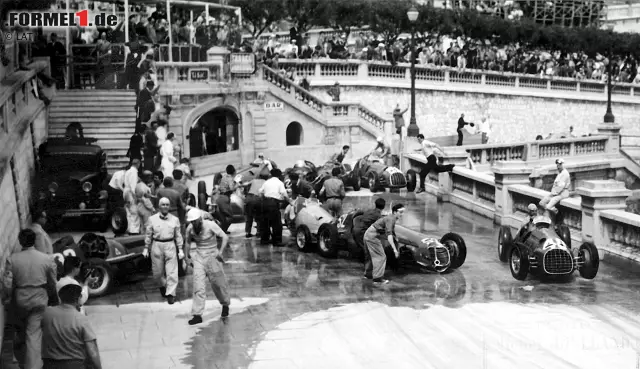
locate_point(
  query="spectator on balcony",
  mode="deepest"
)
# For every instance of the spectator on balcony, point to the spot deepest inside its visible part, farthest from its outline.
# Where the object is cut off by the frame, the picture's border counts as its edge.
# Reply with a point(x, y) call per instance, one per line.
point(334, 92)
point(58, 56)
point(103, 53)
point(461, 124)
point(133, 21)
point(131, 70)
point(304, 83)
point(484, 128)
point(560, 189)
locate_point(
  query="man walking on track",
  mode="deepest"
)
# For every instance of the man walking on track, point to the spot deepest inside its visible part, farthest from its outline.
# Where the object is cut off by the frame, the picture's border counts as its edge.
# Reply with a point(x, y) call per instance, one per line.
point(163, 235)
point(206, 263)
point(430, 149)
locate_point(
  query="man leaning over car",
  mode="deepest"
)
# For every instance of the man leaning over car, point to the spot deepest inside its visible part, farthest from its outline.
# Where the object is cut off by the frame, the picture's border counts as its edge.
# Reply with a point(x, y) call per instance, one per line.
point(560, 188)
point(333, 188)
point(360, 226)
point(382, 230)
point(274, 193)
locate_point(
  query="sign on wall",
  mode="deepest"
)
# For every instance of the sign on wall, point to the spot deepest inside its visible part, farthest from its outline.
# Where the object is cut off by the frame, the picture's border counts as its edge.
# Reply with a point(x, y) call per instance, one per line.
point(242, 63)
point(273, 106)
point(198, 74)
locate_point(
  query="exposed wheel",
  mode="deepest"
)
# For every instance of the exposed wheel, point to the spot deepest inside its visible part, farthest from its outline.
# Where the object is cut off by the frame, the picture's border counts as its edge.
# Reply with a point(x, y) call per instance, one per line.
point(590, 258)
point(412, 180)
point(303, 238)
point(328, 240)
point(564, 233)
point(372, 181)
point(456, 243)
point(519, 262)
point(356, 184)
point(202, 187)
point(505, 240)
point(104, 272)
point(119, 222)
point(192, 200)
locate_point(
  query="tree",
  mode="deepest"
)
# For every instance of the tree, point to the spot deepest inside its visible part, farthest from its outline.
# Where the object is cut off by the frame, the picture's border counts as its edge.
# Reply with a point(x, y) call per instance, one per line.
point(345, 15)
point(389, 18)
point(259, 15)
point(305, 14)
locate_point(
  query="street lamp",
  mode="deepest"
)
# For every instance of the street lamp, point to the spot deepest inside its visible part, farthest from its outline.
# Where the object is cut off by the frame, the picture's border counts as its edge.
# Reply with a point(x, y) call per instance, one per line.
point(413, 129)
point(608, 116)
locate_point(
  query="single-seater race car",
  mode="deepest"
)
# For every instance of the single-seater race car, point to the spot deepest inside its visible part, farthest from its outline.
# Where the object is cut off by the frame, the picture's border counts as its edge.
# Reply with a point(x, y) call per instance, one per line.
point(317, 175)
point(376, 175)
point(104, 258)
point(304, 168)
point(544, 249)
point(316, 229)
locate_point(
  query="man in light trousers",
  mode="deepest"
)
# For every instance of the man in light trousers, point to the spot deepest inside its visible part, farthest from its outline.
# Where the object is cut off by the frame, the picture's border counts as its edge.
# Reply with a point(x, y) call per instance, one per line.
point(206, 263)
point(163, 235)
point(560, 189)
point(380, 231)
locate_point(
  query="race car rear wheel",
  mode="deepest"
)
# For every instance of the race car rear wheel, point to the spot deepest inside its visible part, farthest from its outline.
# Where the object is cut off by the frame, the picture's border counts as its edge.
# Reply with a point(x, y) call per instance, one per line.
point(588, 253)
point(372, 181)
point(328, 241)
point(564, 233)
point(412, 180)
point(303, 238)
point(202, 195)
point(104, 272)
point(505, 240)
point(356, 183)
point(456, 242)
point(118, 221)
point(519, 262)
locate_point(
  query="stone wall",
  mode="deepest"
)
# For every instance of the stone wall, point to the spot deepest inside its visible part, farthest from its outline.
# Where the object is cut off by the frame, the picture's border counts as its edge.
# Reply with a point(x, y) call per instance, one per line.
point(514, 118)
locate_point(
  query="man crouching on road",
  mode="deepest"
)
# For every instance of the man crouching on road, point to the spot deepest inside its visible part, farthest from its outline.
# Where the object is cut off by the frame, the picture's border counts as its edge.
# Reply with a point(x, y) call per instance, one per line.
point(162, 235)
point(206, 263)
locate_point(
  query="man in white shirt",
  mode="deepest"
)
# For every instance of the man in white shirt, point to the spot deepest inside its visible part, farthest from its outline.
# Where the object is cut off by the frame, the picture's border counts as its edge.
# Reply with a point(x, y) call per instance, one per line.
point(261, 160)
point(43, 241)
point(485, 129)
point(431, 151)
point(560, 188)
point(131, 205)
point(273, 193)
point(115, 189)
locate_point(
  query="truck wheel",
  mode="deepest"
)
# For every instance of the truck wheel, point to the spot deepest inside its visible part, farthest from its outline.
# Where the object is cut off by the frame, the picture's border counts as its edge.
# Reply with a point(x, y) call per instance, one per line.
point(104, 272)
point(455, 242)
point(303, 238)
point(119, 222)
point(328, 241)
point(590, 258)
point(505, 240)
point(519, 262)
point(412, 180)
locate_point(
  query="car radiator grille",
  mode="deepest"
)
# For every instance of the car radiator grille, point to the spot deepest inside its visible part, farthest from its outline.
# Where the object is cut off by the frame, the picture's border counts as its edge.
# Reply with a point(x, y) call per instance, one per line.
point(442, 253)
point(397, 179)
point(558, 261)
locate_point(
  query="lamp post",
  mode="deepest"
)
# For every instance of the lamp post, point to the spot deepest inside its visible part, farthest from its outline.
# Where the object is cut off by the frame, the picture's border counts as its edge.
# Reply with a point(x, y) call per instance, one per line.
point(413, 129)
point(608, 116)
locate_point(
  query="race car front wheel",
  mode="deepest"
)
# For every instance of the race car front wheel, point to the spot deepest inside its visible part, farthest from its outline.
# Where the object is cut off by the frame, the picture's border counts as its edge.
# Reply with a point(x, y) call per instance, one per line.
point(412, 180)
point(519, 262)
point(456, 242)
point(328, 241)
point(504, 243)
point(104, 272)
point(303, 238)
point(588, 253)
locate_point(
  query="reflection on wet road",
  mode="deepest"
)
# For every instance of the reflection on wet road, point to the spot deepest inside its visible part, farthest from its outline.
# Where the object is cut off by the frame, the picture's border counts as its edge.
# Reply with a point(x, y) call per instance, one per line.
point(295, 310)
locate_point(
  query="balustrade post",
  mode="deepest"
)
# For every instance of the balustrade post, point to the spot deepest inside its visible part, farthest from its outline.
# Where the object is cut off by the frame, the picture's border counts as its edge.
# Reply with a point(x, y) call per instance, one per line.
point(613, 131)
point(363, 71)
point(598, 196)
point(531, 151)
point(446, 77)
point(517, 82)
point(483, 79)
point(577, 86)
point(507, 173)
point(548, 84)
point(317, 71)
point(457, 156)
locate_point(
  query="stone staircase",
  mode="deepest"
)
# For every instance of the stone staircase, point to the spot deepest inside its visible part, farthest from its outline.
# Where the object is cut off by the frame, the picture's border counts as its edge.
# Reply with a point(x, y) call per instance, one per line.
point(106, 115)
point(630, 145)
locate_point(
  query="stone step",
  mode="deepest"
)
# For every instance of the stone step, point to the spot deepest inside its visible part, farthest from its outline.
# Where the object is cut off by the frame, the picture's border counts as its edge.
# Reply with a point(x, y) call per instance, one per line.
point(103, 108)
point(122, 126)
point(101, 93)
point(75, 115)
point(98, 103)
point(105, 133)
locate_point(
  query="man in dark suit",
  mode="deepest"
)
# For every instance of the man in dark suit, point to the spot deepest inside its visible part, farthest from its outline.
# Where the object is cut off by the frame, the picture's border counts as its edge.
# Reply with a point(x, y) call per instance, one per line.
point(142, 103)
point(461, 124)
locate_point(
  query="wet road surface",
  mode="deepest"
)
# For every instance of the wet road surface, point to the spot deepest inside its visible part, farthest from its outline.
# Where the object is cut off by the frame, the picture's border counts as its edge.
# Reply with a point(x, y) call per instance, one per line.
point(295, 310)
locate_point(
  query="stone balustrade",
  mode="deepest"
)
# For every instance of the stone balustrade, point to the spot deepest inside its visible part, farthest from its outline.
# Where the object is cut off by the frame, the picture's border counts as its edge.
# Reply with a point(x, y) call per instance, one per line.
point(327, 71)
point(539, 150)
point(596, 215)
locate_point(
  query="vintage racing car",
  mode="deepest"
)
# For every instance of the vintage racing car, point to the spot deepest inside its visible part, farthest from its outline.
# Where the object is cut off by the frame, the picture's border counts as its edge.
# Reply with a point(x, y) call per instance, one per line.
point(376, 175)
point(69, 185)
point(317, 175)
point(304, 169)
point(544, 249)
point(105, 258)
point(314, 226)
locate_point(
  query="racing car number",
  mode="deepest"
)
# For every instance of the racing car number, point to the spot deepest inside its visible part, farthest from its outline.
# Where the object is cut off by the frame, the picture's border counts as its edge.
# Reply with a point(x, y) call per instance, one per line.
point(59, 257)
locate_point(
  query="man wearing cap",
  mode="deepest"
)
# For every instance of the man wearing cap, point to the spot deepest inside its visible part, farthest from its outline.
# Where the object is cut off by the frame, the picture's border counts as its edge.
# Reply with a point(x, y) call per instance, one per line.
point(274, 193)
point(68, 340)
point(381, 151)
point(532, 210)
point(560, 189)
point(34, 286)
point(333, 188)
point(206, 260)
point(163, 236)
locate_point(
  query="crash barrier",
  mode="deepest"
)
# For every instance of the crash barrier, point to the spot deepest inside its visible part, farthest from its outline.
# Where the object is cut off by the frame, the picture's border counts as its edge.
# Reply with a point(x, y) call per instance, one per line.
point(359, 72)
point(94, 68)
point(597, 214)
